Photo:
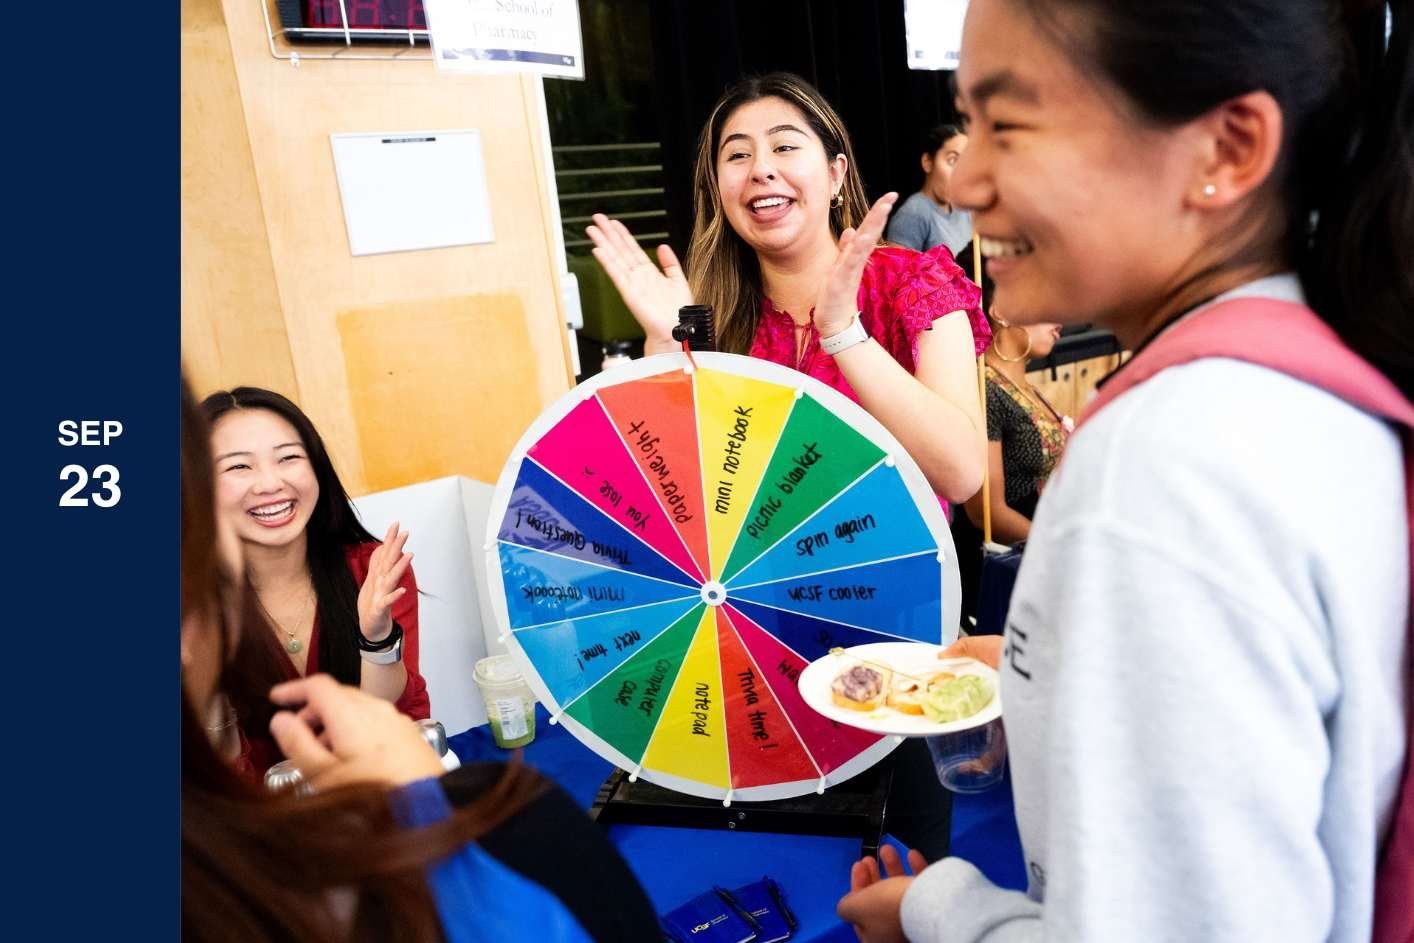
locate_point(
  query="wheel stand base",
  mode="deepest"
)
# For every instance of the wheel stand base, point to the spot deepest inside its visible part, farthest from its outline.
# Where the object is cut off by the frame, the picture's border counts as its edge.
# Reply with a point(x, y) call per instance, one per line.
point(852, 809)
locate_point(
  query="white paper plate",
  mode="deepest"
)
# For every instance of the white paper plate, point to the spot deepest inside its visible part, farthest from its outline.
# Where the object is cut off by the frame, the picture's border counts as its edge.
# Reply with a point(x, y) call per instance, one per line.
point(915, 658)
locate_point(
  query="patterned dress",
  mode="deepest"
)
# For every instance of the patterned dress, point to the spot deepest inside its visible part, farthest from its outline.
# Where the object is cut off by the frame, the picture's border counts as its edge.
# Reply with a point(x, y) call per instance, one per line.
point(1032, 436)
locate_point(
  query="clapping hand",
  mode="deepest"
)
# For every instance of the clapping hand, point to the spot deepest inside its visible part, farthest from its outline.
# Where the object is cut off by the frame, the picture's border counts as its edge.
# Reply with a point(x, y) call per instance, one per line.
point(380, 588)
point(873, 903)
point(651, 293)
point(838, 301)
point(337, 734)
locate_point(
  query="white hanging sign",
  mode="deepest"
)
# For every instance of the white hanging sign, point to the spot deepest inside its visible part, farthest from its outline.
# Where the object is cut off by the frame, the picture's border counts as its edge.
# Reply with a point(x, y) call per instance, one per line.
point(499, 36)
point(934, 31)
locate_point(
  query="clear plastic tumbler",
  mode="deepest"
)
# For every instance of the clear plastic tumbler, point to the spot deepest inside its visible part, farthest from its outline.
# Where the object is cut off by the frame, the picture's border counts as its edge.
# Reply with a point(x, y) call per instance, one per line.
point(509, 702)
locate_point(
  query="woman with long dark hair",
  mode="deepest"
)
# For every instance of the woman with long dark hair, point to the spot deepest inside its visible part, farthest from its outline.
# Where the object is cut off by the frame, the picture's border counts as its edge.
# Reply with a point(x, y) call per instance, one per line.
point(383, 850)
point(337, 599)
point(1207, 657)
point(786, 256)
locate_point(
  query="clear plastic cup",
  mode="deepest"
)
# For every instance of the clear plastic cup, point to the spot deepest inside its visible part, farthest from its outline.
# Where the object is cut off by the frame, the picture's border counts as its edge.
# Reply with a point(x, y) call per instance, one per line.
point(509, 702)
point(972, 760)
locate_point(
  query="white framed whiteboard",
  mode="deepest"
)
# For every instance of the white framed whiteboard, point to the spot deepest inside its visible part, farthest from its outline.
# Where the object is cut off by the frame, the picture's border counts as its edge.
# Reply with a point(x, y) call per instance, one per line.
point(408, 190)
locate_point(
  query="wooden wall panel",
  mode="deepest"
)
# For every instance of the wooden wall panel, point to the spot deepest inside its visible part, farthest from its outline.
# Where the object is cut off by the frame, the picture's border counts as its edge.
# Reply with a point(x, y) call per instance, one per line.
point(418, 376)
point(232, 326)
point(341, 314)
point(1058, 390)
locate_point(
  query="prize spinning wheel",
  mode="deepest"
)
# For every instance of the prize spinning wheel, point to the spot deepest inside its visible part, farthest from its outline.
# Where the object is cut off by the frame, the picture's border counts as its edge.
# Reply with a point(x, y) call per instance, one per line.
point(675, 539)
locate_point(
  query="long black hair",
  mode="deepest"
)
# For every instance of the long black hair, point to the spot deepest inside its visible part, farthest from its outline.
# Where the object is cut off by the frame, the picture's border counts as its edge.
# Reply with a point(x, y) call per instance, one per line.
point(333, 528)
point(257, 866)
point(1346, 173)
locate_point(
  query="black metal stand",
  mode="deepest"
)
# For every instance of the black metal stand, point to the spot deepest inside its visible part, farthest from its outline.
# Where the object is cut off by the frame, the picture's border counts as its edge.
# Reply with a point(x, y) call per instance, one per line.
point(852, 809)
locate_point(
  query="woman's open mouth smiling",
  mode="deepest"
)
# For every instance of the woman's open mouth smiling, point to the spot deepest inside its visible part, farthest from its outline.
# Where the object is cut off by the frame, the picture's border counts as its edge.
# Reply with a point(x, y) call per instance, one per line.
point(274, 515)
point(1004, 248)
point(1003, 254)
point(768, 209)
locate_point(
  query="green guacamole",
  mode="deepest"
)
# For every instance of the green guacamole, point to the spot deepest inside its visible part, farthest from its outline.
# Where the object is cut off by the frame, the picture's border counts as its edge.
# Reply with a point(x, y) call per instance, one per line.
point(956, 698)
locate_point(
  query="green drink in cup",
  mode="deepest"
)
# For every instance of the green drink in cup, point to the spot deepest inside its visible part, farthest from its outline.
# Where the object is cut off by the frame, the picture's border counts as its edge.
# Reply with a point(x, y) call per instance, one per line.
point(510, 705)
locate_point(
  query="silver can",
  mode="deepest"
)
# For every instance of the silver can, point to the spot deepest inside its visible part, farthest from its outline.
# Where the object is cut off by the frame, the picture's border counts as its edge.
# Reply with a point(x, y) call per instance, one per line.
point(435, 735)
point(283, 776)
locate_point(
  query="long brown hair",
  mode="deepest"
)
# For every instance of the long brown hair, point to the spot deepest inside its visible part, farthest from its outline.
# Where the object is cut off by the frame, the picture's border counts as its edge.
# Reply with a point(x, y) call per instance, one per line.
point(333, 866)
point(722, 268)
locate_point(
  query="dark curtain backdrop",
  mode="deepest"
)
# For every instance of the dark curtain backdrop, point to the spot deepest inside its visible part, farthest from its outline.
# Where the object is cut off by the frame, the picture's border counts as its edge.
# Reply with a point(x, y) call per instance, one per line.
point(854, 52)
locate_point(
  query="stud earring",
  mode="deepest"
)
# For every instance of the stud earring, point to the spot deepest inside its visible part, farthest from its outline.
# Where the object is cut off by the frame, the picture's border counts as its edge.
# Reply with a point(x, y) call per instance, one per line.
point(1210, 190)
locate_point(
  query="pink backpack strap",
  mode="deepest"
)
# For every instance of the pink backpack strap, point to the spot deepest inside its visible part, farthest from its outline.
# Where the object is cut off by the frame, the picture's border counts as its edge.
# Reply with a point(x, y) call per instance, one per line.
point(1286, 337)
point(1292, 339)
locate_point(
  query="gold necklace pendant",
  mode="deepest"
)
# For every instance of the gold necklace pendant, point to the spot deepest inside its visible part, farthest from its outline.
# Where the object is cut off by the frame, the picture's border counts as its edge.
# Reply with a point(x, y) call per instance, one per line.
point(292, 645)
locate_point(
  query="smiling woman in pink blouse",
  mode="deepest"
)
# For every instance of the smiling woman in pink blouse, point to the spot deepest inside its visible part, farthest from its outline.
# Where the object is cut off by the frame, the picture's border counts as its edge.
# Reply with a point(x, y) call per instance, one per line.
point(786, 256)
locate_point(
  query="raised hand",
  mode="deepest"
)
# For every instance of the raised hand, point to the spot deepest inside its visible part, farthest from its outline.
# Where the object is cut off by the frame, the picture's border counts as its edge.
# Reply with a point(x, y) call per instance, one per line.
point(838, 301)
point(652, 294)
point(380, 588)
point(337, 734)
point(873, 902)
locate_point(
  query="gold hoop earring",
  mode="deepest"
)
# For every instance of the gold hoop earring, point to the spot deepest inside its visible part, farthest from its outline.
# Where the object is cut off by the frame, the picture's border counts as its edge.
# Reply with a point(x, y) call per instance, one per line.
point(997, 348)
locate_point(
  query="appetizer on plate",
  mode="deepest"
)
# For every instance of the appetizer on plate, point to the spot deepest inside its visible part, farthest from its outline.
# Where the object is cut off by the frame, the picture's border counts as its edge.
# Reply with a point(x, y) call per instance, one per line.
point(956, 698)
point(860, 687)
point(906, 693)
point(901, 689)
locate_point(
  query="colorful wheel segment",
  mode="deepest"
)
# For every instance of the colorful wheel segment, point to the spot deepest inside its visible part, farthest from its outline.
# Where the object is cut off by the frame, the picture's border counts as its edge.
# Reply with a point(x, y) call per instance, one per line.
point(675, 540)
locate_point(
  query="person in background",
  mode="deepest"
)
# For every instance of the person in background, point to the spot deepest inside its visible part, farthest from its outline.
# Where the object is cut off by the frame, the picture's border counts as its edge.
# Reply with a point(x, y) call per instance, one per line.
point(1025, 434)
point(788, 260)
point(336, 599)
point(386, 848)
point(1206, 678)
point(1025, 439)
point(928, 217)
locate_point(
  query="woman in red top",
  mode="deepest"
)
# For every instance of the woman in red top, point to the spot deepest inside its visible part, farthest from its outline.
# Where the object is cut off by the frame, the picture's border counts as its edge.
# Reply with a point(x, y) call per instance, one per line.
point(338, 601)
point(786, 257)
point(777, 255)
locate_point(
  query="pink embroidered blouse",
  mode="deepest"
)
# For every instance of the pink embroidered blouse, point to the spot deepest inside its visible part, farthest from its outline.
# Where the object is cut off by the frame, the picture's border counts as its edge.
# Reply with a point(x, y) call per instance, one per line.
point(901, 294)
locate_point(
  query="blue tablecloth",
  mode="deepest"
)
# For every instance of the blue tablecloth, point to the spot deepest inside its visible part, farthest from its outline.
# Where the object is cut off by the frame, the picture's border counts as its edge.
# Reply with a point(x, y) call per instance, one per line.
point(676, 864)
